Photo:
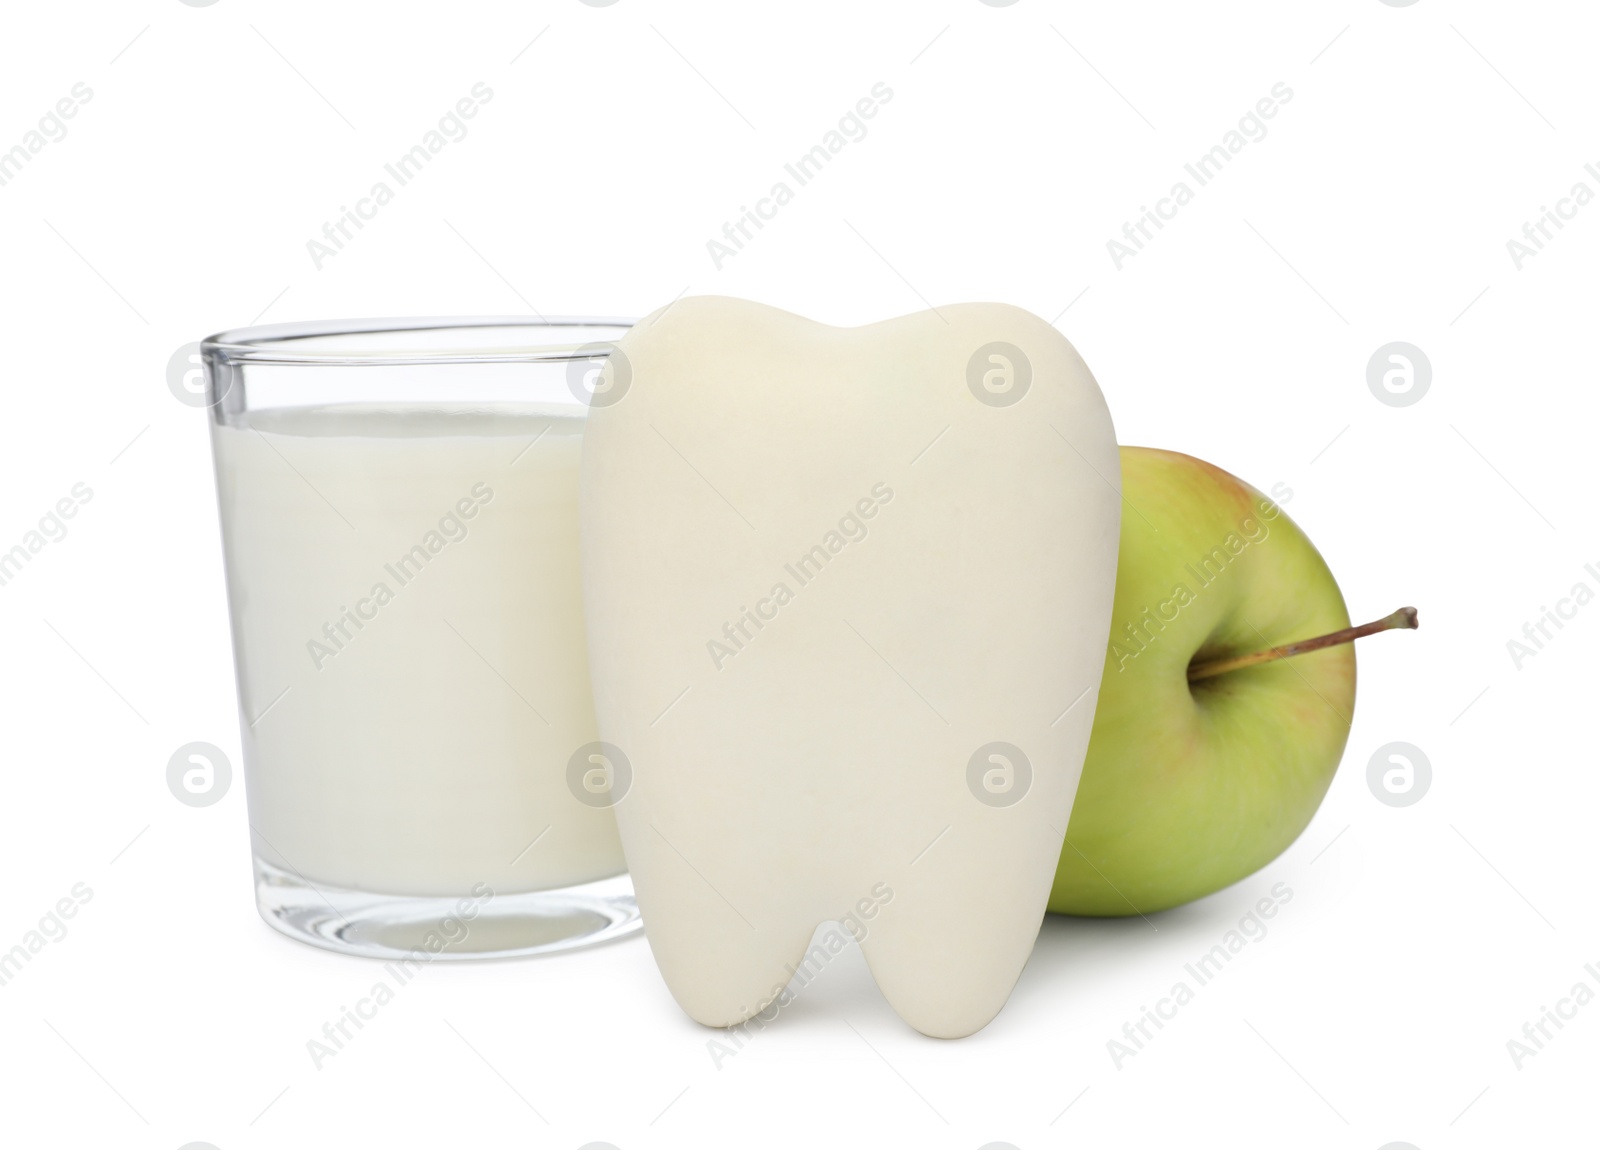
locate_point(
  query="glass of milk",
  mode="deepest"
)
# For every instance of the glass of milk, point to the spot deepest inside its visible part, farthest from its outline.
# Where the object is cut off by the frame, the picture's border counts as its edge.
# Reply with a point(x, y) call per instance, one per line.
point(399, 507)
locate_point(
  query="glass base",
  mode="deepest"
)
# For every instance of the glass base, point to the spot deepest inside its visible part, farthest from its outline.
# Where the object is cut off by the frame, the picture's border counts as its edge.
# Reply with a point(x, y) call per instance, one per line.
point(446, 927)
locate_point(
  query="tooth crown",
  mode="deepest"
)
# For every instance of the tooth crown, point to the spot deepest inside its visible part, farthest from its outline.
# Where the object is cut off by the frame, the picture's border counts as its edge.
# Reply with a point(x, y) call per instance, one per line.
point(848, 593)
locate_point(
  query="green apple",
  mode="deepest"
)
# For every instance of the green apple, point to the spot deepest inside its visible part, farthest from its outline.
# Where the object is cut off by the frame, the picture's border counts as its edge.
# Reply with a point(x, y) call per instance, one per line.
point(1192, 783)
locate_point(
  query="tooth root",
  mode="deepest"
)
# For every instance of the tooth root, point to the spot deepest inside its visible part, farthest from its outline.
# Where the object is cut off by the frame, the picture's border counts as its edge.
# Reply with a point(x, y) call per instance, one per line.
point(947, 952)
point(722, 976)
point(723, 962)
point(941, 946)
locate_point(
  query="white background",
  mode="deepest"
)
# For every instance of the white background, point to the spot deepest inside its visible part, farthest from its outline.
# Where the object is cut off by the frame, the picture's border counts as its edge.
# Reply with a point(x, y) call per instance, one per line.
point(1019, 139)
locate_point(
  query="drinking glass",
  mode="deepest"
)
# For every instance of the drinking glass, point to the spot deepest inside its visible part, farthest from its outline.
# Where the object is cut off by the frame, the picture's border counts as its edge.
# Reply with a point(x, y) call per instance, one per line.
point(399, 513)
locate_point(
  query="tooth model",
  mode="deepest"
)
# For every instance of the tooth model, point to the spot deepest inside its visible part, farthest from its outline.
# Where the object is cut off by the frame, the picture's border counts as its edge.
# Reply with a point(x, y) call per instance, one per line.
point(848, 592)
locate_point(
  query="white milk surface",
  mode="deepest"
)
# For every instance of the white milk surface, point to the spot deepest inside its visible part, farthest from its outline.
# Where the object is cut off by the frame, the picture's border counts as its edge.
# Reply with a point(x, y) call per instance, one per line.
point(409, 637)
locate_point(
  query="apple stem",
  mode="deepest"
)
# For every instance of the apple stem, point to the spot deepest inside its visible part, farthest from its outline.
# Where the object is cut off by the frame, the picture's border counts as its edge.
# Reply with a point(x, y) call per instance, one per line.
point(1405, 618)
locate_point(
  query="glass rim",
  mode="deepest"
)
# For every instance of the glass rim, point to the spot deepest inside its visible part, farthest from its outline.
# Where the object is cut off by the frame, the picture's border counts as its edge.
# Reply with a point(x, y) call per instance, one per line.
point(266, 344)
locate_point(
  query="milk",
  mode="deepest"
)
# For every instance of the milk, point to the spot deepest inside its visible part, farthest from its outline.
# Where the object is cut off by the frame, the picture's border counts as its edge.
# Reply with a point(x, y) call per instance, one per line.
point(407, 627)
